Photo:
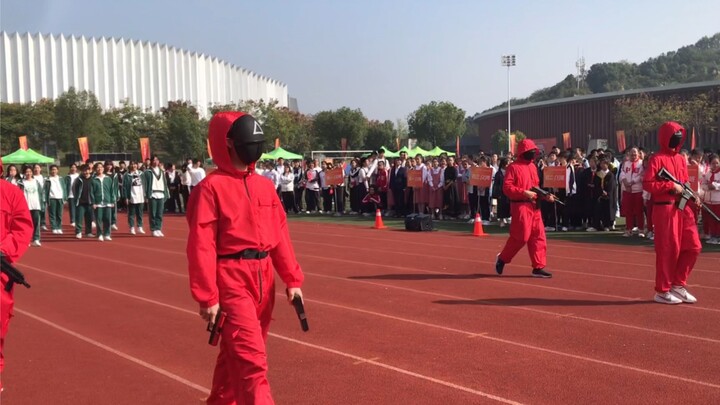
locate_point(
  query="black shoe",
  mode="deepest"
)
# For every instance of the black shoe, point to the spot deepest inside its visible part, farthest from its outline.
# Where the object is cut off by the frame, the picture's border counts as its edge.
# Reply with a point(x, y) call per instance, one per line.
point(541, 273)
point(499, 265)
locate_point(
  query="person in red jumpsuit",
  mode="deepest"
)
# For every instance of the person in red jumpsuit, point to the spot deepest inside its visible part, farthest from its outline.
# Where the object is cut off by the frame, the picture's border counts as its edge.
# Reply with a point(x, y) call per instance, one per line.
point(677, 243)
point(238, 234)
point(16, 230)
point(527, 225)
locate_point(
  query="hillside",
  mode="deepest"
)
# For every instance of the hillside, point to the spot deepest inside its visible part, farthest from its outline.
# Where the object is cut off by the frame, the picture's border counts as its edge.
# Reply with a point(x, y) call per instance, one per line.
point(692, 63)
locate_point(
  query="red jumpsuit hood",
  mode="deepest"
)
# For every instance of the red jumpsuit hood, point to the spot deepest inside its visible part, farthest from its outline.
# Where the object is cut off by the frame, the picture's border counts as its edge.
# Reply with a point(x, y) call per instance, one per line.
point(219, 127)
point(526, 145)
point(665, 132)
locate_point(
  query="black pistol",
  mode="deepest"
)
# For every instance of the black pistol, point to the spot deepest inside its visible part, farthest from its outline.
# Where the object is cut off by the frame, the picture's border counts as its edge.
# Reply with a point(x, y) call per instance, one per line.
point(14, 275)
point(215, 328)
point(300, 310)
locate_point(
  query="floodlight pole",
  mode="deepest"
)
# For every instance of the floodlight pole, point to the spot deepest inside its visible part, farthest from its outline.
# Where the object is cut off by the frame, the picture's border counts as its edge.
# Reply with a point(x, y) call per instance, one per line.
point(508, 61)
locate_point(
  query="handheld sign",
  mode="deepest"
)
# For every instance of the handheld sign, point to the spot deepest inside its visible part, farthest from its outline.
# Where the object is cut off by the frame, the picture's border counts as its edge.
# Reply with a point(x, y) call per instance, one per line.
point(554, 177)
point(335, 176)
point(415, 179)
point(481, 176)
point(694, 177)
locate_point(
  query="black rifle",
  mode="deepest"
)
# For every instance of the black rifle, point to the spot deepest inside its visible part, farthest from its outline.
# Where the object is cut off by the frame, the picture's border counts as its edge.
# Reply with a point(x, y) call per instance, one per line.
point(687, 193)
point(215, 327)
point(300, 310)
point(546, 193)
point(14, 275)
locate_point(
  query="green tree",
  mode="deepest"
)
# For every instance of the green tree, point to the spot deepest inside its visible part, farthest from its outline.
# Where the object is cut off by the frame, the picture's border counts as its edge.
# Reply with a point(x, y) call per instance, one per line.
point(380, 134)
point(78, 114)
point(436, 122)
point(183, 135)
point(330, 127)
point(499, 140)
point(123, 127)
point(34, 120)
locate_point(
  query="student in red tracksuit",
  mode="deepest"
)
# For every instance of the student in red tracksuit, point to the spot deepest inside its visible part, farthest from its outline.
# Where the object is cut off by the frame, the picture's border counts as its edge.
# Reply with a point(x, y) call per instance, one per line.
point(238, 234)
point(16, 231)
point(527, 225)
point(677, 244)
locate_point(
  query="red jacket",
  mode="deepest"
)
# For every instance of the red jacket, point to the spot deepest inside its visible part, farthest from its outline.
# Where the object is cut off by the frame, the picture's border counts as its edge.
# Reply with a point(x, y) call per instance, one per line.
point(230, 211)
point(381, 180)
point(669, 159)
point(522, 174)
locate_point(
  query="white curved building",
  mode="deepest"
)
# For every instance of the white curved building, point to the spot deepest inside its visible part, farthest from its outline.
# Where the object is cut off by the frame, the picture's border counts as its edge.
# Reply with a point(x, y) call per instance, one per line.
point(148, 75)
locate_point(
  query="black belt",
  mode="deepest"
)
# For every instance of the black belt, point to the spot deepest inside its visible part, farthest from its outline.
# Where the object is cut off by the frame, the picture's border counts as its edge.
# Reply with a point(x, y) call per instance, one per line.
point(663, 203)
point(247, 254)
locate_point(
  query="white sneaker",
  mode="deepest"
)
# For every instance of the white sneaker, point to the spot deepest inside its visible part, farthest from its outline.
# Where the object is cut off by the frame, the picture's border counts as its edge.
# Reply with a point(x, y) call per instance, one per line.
point(132, 230)
point(60, 232)
point(72, 224)
point(155, 234)
point(114, 227)
point(90, 235)
point(44, 228)
point(94, 225)
point(549, 229)
point(108, 238)
point(591, 229)
point(651, 235)
point(36, 243)
point(161, 234)
point(667, 298)
point(564, 229)
point(100, 238)
point(54, 231)
point(142, 231)
point(78, 236)
point(682, 294)
point(627, 234)
point(485, 223)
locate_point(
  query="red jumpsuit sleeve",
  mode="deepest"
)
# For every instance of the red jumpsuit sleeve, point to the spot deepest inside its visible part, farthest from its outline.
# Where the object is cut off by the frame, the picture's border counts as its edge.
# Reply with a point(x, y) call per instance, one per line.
point(19, 233)
point(651, 184)
point(511, 190)
point(283, 255)
point(202, 220)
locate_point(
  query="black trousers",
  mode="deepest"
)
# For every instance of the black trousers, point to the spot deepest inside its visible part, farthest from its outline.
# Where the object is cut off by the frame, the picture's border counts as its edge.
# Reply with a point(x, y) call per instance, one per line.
point(327, 200)
point(311, 200)
point(288, 200)
point(399, 198)
point(298, 198)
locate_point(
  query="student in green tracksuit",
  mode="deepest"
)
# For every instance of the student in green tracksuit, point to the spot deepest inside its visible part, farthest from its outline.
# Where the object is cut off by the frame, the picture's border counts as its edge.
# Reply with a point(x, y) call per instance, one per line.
point(83, 207)
point(112, 173)
point(34, 194)
point(156, 192)
point(103, 196)
point(133, 194)
point(55, 194)
point(71, 199)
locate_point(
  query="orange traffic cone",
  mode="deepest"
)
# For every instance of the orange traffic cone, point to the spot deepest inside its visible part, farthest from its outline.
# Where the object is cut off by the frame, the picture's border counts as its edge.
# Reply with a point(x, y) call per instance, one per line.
point(478, 231)
point(378, 220)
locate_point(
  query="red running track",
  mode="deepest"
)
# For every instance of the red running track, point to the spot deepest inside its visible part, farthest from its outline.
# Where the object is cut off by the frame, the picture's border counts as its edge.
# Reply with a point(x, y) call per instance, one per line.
point(395, 317)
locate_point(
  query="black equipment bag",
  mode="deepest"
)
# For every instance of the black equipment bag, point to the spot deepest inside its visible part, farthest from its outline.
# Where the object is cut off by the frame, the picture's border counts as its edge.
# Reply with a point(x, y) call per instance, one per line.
point(418, 222)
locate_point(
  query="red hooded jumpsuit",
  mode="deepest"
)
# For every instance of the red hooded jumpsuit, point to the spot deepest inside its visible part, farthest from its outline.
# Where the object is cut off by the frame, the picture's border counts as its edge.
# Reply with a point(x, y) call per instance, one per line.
point(526, 226)
point(677, 244)
point(16, 229)
point(228, 212)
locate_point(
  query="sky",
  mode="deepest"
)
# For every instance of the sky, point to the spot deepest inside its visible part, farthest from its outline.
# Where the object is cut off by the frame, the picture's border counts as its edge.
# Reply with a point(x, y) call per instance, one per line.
point(389, 57)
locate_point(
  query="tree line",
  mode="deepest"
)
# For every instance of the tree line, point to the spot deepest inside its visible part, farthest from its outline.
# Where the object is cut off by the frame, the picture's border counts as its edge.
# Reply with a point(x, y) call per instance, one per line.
point(179, 131)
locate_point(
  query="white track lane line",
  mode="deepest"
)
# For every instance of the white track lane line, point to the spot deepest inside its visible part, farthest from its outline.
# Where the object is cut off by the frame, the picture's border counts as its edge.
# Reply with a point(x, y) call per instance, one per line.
point(281, 337)
point(118, 353)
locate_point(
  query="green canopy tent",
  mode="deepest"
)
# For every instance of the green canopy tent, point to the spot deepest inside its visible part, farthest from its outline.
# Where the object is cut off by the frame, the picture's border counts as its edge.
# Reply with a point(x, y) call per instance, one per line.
point(20, 157)
point(437, 152)
point(389, 153)
point(403, 149)
point(417, 151)
point(279, 153)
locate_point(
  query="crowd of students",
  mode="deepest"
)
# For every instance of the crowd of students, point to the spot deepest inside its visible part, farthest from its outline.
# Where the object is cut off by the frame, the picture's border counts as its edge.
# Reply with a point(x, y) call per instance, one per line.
point(599, 188)
point(95, 192)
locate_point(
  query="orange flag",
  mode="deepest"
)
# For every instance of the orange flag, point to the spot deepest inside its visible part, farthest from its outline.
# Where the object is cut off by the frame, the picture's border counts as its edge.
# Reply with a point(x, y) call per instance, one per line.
point(512, 143)
point(620, 136)
point(23, 142)
point(84, 148)
point(457, 147)
point(692, 140)
point(566, 140)
point(277, 143)
point(145, 148)
point(209, 150)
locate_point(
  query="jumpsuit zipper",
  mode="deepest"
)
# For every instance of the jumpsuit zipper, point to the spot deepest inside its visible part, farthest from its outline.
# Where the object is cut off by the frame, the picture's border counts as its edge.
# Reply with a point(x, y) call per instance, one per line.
point(259, 271)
